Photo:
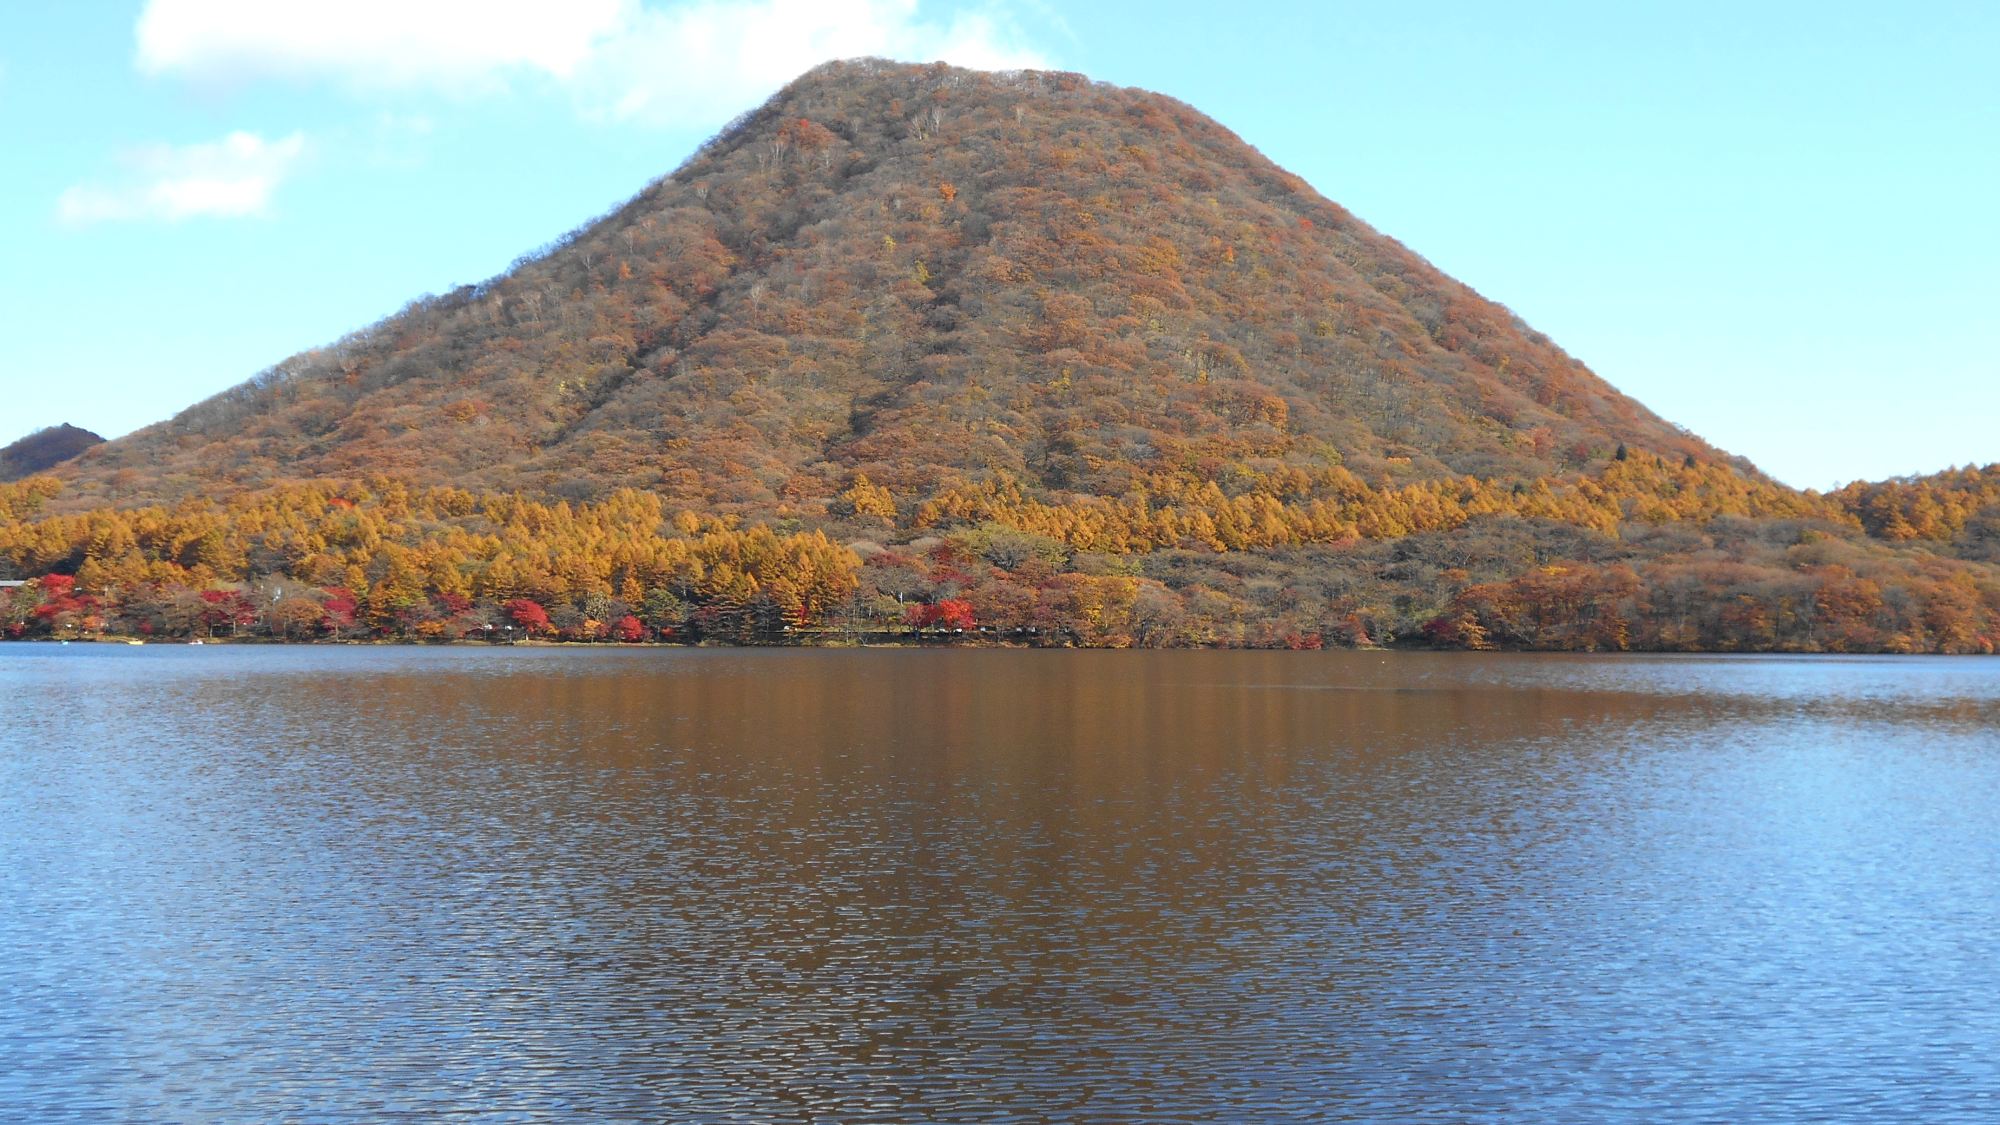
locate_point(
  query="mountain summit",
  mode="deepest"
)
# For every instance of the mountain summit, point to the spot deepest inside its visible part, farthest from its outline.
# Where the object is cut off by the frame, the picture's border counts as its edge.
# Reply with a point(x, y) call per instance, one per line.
point(929, 275)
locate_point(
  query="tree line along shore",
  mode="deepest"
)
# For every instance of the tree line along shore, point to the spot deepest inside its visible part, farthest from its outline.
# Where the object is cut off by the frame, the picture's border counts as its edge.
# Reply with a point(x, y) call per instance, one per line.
point(1645, 555)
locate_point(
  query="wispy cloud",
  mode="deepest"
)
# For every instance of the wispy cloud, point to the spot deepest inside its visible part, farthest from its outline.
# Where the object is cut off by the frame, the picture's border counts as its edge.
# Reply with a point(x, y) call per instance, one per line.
point(690, 62)
point(232, 177)
point(386, 44)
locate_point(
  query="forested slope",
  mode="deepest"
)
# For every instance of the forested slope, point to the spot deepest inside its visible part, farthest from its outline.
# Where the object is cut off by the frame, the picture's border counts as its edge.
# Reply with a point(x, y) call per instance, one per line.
point(937, 277)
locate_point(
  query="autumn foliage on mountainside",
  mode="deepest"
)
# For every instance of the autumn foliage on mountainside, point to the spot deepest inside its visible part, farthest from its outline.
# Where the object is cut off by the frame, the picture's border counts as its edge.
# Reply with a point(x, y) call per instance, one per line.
point(927, 353)
point(934, 277)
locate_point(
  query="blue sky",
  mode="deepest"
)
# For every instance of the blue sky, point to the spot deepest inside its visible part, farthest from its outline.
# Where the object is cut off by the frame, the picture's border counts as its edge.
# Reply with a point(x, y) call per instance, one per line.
point(1774, 223)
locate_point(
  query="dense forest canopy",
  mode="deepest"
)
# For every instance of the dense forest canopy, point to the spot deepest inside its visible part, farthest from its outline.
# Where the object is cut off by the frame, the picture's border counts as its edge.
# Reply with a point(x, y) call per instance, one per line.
point(918, 348)
point(1644, 555)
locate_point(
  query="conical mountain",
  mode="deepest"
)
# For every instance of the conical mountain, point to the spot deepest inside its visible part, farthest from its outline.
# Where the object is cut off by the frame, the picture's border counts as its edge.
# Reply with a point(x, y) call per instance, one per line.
point(932, 276)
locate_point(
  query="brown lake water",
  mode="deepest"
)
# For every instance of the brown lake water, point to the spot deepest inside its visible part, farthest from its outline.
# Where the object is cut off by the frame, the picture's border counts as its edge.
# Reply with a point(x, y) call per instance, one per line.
point(263, 884)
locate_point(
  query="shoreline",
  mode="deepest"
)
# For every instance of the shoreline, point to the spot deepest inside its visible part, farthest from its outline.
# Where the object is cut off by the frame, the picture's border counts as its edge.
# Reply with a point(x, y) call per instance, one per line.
point(920, 644)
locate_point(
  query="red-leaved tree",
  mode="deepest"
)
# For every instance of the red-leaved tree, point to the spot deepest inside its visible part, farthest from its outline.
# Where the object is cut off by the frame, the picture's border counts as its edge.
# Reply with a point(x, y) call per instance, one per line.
point(947, 613)
point(530, 616)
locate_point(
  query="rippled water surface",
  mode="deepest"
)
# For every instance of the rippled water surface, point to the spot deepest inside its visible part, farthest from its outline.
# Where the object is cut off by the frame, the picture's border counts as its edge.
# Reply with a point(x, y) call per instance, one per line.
point(263, 884)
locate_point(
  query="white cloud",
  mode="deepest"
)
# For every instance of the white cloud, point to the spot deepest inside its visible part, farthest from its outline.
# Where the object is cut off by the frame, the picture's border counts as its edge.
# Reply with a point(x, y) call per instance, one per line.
point(232, 177)
point(372, 43)
point(677, 63)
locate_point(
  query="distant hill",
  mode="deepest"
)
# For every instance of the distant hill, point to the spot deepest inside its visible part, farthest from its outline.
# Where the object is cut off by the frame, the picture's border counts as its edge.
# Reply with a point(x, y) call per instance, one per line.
point(1957, 510)
point(44, 450)
point(912, 347)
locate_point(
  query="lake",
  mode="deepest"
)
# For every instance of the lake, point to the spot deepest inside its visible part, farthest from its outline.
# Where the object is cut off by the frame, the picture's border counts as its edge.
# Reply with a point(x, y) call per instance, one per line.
point(319, 883)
